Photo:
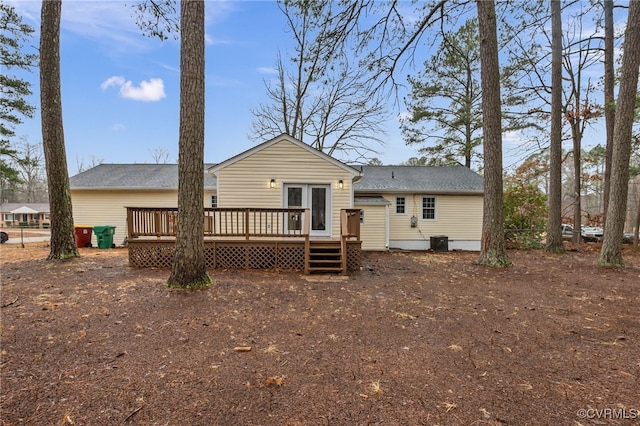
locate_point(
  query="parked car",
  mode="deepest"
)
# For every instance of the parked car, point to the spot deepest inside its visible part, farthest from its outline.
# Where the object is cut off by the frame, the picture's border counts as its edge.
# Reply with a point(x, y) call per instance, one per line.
point(627, 238)
point(587, 234)
point(567, 232)
point(592, 233)
point(3, 237)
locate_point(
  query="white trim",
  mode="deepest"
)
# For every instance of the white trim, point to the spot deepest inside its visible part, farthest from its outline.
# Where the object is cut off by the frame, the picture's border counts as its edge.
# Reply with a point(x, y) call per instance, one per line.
point(467, 245)
point(435, 208)
point(307, 193)
point(386, 226)
point(395, 205)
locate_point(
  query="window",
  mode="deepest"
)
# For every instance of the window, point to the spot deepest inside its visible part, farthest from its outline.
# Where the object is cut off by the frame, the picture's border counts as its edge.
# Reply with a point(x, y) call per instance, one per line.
point(400, 205)
point(214, 201)
point(361, 216)
point(429, 208)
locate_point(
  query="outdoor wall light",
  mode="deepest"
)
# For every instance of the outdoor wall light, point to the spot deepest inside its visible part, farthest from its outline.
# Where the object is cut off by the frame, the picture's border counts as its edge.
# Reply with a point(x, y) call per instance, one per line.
point(340, 184)
point(272, 183)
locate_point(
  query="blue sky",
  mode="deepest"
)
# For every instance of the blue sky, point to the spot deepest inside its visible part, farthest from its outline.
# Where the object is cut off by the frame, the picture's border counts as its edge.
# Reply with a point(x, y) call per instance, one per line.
point(120, 90)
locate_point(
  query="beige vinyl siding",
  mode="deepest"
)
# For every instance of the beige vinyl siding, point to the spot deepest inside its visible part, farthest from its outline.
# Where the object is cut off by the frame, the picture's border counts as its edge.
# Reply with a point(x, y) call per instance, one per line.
point(102, 207)
point(245, 183)
point(373, 232)
point(457, 216)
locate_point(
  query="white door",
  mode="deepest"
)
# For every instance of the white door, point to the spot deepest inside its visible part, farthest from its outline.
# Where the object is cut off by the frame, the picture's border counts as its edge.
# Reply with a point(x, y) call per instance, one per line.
point(314, 197)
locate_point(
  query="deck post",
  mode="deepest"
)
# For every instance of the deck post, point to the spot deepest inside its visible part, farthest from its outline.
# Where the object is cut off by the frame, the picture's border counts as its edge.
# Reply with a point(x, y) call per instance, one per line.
point(246, 223)
point(307, 246)
point(156, 223)
point(344, 232)
point(129, 223)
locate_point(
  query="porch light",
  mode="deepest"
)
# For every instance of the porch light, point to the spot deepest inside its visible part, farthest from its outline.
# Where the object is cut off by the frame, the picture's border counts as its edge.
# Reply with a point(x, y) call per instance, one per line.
point(340, 184)
point(272, 183)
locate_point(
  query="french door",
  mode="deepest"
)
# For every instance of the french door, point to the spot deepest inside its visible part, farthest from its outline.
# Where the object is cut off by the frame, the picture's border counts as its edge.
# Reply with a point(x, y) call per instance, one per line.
point(314, 197)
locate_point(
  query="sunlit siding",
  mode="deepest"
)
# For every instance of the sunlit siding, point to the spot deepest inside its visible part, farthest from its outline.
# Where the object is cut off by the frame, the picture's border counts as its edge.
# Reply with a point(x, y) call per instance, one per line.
point(109, 207)
point(457, 216)
point(245, 183)
point(373, 231)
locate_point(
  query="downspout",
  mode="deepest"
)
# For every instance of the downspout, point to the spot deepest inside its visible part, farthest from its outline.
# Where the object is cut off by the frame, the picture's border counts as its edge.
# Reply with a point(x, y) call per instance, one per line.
point(386, 226)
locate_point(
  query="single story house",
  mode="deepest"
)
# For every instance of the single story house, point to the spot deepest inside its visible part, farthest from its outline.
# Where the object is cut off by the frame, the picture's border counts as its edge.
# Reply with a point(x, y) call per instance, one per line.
point(24, 214)
point(401, 207)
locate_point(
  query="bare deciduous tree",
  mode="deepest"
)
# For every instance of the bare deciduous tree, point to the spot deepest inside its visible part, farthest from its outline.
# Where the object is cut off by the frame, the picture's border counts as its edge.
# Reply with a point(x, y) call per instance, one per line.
point(322, 98)
point(160, 155)
point(83, 164)
point(31, 165)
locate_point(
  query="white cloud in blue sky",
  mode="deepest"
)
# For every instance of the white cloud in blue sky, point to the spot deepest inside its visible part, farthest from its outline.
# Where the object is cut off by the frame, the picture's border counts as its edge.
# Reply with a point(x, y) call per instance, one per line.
point(151, 90)
point(267, 70)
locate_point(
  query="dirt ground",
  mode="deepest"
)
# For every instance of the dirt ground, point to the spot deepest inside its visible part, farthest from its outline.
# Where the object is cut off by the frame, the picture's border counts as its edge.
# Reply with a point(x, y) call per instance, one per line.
point(412, 339)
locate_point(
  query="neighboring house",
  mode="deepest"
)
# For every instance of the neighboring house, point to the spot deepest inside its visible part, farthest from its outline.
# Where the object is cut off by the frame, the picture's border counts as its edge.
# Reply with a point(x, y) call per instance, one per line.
point(25, 214)
point(284, 172)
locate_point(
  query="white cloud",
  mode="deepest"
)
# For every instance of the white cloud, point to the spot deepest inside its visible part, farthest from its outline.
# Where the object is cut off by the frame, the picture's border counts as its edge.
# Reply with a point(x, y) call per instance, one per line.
point(117, 127)
point(212, 41)
point(151, 90)
point(113, 22)
point(112, 81)
point(267, 70)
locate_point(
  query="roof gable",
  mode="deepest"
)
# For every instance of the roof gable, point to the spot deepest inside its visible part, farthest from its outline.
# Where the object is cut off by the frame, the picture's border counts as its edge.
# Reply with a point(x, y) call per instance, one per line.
point(36, 207)
point(279, 139)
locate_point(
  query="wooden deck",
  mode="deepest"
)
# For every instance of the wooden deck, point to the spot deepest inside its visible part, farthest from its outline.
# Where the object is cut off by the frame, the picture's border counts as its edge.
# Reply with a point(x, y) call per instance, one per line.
point(277, 239)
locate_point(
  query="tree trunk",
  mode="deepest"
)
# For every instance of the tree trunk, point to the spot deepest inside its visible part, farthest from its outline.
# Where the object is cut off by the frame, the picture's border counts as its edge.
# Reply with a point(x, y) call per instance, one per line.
point(609, 104)
point(636, 227)
point(611, 252)
point(554, 220)
point(63, 244)
point(493, 251)
point(577, 173)
point(189, 269)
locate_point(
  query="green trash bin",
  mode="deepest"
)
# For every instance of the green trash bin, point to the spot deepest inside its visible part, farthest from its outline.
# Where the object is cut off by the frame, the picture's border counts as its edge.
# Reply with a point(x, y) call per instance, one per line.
point(104, 235)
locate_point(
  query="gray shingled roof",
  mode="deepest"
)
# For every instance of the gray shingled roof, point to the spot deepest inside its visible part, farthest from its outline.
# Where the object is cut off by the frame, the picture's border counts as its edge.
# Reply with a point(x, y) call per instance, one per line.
point(39, 207)
point(375, 179)
point(133, 176)
point(372, 200)
point(425, 179)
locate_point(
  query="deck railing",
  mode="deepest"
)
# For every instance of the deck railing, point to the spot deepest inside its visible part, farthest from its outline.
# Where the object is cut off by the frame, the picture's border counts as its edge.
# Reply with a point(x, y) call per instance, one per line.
point(241, 229)
point(350, 223)
point(222, 222)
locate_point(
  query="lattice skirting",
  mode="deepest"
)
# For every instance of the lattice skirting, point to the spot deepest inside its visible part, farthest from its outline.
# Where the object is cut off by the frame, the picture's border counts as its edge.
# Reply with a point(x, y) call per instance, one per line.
point(279, 255)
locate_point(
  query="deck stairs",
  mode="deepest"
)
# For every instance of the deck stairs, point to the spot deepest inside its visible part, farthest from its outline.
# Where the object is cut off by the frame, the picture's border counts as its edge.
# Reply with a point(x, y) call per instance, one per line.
point(325, 256)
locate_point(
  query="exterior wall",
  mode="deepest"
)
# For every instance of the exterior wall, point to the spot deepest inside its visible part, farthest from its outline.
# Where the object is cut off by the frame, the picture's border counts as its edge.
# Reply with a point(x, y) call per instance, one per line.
point(33, 219)
point(109, 207)
point(246, 183)
point(375, 228)
point(459, 217)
